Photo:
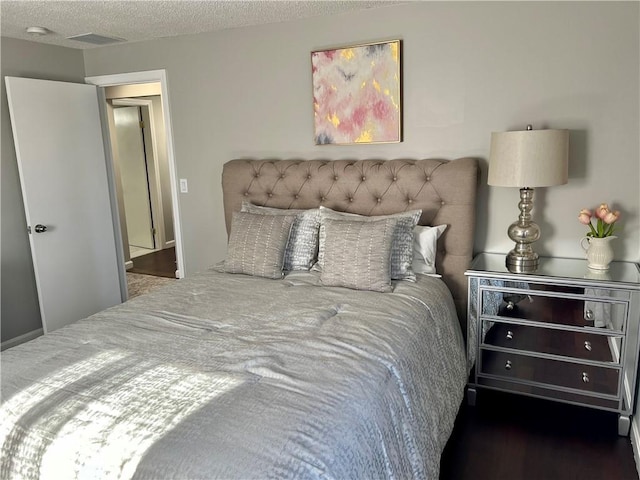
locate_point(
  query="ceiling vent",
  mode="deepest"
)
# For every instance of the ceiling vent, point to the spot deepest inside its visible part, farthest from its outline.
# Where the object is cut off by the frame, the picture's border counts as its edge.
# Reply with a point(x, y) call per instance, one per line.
point(95, 39)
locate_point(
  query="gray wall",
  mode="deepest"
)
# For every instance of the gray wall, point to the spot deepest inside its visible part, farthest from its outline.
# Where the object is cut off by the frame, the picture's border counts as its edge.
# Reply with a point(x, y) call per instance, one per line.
point(20, 313)
point(469, 69)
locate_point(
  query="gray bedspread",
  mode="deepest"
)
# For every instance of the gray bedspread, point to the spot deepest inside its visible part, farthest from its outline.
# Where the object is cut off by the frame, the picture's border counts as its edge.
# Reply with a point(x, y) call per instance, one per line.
point(230, 376)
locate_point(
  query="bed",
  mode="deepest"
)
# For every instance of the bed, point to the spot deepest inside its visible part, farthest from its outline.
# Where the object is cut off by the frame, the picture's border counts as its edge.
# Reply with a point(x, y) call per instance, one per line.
point(236, 375)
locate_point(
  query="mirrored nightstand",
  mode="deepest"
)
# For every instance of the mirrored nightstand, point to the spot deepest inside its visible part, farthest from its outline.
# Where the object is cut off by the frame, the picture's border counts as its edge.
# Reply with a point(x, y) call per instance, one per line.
point(562, 333)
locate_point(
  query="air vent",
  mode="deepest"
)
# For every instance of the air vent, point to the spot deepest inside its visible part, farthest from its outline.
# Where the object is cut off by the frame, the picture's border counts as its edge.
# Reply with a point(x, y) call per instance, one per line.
point(96, 39)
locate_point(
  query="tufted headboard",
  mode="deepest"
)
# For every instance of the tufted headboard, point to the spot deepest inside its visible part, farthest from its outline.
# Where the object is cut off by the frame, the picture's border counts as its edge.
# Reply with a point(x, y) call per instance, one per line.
point(444, 190)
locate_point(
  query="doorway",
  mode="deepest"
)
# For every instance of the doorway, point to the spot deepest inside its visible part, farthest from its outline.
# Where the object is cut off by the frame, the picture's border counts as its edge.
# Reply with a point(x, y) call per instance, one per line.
point(134, 154)
point(138, 143)
point(146, 94)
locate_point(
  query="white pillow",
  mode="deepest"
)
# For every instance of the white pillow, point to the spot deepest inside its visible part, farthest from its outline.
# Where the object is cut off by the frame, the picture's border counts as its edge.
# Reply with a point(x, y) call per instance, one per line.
point(425, 242)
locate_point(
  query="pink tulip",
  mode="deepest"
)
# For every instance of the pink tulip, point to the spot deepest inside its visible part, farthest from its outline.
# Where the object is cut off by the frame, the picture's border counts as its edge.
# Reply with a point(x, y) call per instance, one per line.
point(585, 216)
point(602, 211)
point(611, 217)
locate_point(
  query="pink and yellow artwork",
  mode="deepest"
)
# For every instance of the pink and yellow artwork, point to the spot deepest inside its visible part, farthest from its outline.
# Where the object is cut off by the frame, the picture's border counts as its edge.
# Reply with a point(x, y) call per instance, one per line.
point(356, 94)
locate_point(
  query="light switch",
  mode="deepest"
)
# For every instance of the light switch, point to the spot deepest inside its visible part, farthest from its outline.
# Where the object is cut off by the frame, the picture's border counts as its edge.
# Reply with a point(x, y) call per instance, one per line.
point(184, 188)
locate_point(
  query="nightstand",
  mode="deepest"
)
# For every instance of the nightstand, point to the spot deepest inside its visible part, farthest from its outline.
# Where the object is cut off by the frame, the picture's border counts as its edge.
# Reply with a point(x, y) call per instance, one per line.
point(563, 333)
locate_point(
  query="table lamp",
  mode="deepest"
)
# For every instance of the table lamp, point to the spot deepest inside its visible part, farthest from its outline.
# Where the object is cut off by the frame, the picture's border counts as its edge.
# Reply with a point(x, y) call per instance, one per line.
point(527, 159)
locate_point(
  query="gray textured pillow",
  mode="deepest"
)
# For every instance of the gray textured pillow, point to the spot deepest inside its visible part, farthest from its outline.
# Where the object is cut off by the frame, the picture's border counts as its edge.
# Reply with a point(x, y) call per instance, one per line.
point(401, 247)
point(358, 254)
point(302, 249)
point(257, 244)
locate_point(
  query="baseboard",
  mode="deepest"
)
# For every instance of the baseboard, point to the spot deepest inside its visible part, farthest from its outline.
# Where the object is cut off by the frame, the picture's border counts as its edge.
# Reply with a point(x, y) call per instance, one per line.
point(635, 443)
point(169, 244)
point(12, 342)
point(128, 265)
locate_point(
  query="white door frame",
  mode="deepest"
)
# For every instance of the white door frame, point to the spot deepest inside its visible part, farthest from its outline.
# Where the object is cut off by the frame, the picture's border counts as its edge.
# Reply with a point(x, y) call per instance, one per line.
point(153, 169)
point(150, 76)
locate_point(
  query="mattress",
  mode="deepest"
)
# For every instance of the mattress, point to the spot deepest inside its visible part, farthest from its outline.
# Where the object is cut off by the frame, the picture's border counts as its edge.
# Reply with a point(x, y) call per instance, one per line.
point(232, 376)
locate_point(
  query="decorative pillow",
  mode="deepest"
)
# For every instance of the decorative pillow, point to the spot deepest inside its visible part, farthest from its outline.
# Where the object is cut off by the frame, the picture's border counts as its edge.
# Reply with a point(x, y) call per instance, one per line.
point(257, 244)
point(401, 247)
point(302, 249)
point(425, 241)
point(358, 254)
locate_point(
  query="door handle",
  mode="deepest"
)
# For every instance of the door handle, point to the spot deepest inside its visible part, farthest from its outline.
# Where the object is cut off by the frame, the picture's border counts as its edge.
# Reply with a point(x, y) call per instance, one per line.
point(40, 228)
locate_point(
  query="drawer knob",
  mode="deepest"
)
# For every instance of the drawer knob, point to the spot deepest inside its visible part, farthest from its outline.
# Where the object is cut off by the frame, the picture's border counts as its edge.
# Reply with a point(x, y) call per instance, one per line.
point(587, 345)
point(588, 315)
point(509, 335)
point(585, 377)
point(508, 365)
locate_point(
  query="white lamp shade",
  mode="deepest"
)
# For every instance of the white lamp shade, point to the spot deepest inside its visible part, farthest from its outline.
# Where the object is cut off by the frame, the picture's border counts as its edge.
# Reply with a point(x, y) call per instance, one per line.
point(529, 158)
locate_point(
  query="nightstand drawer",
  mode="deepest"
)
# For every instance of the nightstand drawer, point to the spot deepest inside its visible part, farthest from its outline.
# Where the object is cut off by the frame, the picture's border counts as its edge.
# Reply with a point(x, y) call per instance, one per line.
point(575, 311)
point(549, 372)
point(579, 345)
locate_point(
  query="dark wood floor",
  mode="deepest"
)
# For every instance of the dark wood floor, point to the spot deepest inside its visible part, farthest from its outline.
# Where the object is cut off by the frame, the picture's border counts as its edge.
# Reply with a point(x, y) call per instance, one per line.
point(512, 437)
point(161, 263)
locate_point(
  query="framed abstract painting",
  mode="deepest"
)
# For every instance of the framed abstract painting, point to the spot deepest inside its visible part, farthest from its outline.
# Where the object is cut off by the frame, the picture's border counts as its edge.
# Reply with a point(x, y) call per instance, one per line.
point(357, 94)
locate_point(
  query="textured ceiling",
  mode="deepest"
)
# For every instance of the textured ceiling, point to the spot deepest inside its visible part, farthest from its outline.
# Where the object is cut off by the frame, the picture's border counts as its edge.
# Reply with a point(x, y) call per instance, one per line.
point(145, 20)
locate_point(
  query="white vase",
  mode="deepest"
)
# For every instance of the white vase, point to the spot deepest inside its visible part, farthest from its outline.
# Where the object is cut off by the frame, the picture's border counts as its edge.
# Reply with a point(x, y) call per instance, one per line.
point(599, 252)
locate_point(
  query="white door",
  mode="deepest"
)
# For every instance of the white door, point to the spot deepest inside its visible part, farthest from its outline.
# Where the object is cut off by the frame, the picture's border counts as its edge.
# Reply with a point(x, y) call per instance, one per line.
point(134, 175)
point(63, 174)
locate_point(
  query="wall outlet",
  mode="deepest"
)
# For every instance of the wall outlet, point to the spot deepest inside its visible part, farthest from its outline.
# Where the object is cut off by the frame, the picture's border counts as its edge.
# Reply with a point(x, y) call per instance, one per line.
point(184, 187)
